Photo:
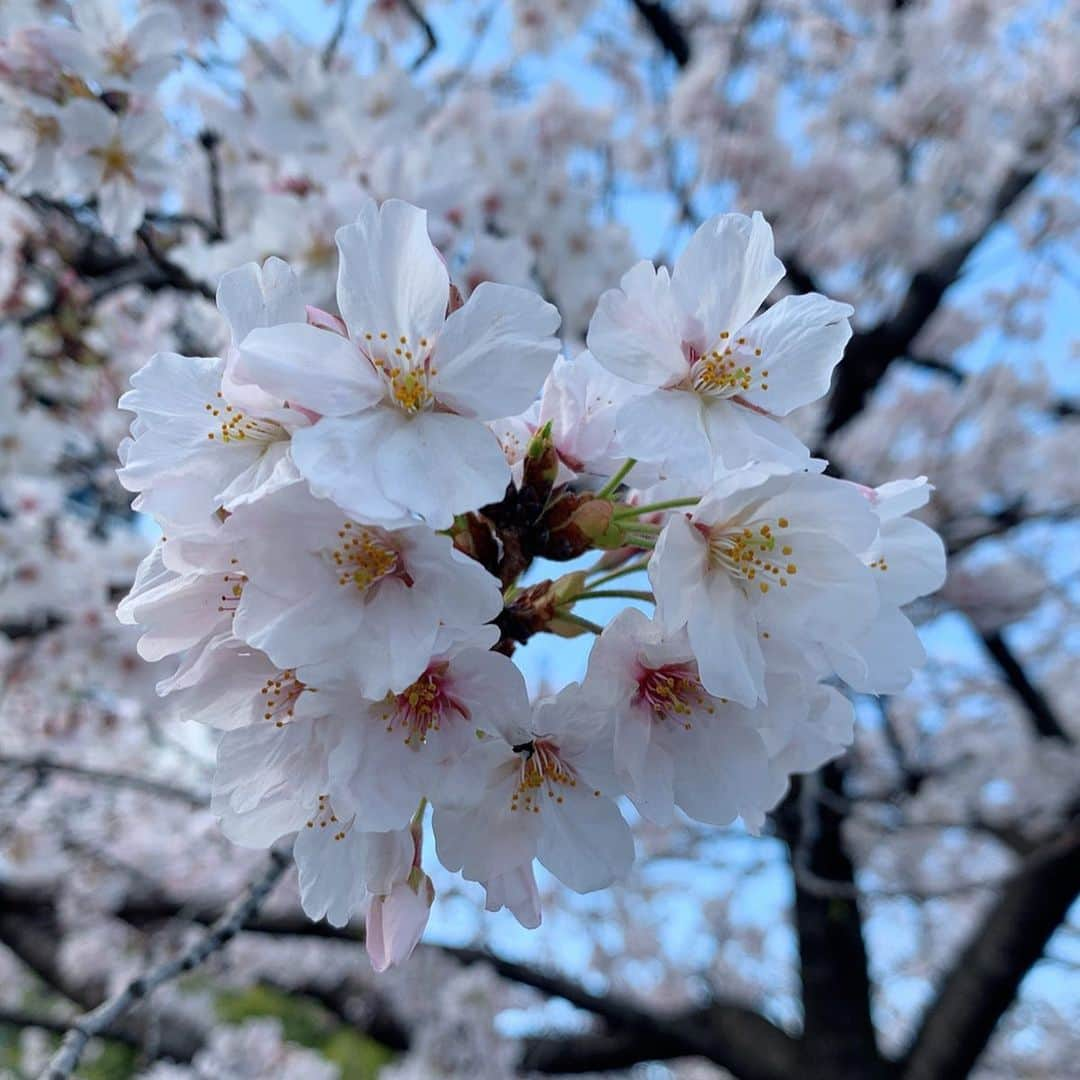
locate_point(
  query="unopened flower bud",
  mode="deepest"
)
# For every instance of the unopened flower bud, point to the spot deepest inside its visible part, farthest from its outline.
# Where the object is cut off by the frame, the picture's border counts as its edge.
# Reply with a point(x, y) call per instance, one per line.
point(395, 922)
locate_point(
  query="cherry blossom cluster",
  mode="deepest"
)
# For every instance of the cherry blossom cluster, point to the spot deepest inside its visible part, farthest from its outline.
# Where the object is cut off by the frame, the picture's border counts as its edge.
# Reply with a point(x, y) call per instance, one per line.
point(354, 508)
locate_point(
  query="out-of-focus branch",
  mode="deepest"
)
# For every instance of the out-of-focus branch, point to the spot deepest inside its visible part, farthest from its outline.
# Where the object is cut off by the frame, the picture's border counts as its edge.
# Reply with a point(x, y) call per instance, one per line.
point(839, 1041)
point(35, 939)
point(729, 1034)
point(417, 15)
point(100, 1019)
point(21, 1018)
point(1059, 406)
point(331, 47)
point(210, 141)
point(45, 765)
point(667, 30)
point(984, 979)
point(1043, 717)
point(870, 353)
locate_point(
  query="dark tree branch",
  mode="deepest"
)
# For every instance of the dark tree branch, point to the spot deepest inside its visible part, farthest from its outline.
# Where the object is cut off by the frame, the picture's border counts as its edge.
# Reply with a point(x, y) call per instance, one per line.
point(1043, 717)
point(731, 1035)
point(984, 979)
point(417, 15)
point(666, 29)
point(870, 353)
point(839, 1041)
point(210, 141)
point(331, 48)
point(35, 938)
point(45, 765)
point(101, 1019)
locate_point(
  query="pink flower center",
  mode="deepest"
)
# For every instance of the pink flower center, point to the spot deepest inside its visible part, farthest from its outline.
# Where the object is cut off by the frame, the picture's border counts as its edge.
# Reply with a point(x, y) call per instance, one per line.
point(424, 706)
point(672, 692)
point(542, 770)
point(365, 556)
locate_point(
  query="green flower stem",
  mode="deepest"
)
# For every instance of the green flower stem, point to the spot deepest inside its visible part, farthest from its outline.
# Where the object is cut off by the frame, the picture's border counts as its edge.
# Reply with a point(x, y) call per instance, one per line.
point(631, 568)
point(650, 508)
point(620, 474)
point(616, 594)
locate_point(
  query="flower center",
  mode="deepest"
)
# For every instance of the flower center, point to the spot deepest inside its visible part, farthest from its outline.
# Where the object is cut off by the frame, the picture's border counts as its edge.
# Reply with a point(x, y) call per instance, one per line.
point(121, 59)
point(423, 706)
point(365, 556)
point(672, 692)
point(324, 817)
point(753, 554)
point(727, 370)
point(280, 695)
point(235, 426)
point(541, 770)
point(405, 367)
point(115, 161)
point(234, 588)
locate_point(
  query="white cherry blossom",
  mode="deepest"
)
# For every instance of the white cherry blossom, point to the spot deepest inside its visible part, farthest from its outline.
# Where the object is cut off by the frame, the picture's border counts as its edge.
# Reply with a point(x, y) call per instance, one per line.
point(403, 396)
point(542, 792)
point(720, 377)
point(779, 557)
point(373, 605)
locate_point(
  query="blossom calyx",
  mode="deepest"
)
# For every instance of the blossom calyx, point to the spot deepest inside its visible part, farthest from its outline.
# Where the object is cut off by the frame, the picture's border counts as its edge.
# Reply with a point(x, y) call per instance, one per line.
point(576, 523)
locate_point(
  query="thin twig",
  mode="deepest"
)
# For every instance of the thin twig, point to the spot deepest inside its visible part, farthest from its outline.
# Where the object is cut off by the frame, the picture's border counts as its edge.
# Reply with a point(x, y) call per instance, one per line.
point(99, 1020)
point(418, 16)
point(42, 764)
point(331, 48)
point(209, 141)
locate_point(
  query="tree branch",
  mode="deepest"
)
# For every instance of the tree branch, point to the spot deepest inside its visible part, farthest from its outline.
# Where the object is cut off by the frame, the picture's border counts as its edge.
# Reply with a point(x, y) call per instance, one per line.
point(666, 29)
point(1043, 717)
point(985, 977)
point(417, 15)
point(100, 1019)
point(839, 1041)
point(46, 765)
point(870, 352)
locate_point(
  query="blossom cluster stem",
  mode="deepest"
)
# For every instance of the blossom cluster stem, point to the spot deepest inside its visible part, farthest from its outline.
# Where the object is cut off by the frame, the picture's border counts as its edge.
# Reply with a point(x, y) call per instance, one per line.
point(617, 478)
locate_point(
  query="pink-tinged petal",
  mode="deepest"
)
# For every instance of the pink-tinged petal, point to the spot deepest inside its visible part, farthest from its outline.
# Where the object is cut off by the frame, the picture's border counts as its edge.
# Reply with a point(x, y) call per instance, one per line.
point(314, 368)
point(268, 779)
point(338, 456)
point(439, 465)
point(391, 279)
point(725, 273)
point(494, 353)
point(492, 687)
point(395, 922)
point(882, 659)
point(832, 597)
point(801, 339)
point(636, 331)
point(251, 296)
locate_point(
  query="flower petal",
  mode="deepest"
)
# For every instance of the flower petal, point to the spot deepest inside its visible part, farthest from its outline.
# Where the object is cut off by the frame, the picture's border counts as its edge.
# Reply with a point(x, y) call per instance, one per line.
point(494, 353)
point(306, 366)
point(391, 279)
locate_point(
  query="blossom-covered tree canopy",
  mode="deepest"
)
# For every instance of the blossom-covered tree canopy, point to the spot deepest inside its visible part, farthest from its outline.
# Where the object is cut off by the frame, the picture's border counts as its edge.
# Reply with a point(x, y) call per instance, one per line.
point(575, 501)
